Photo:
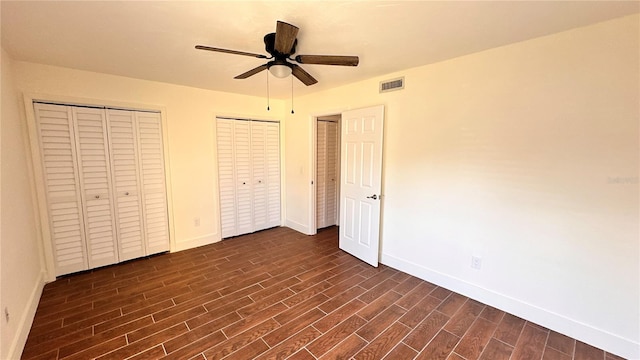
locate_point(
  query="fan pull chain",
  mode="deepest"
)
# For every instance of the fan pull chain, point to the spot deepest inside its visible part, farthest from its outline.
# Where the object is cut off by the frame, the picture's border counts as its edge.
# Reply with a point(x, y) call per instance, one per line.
point(268, 91)
point(292, 94)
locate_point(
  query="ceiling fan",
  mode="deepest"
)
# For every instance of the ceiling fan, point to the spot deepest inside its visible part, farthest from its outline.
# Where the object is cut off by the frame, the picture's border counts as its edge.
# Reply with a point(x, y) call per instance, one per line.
point(281, 45)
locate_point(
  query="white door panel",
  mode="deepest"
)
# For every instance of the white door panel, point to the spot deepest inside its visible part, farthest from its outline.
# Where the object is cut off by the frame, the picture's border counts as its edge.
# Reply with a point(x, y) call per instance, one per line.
point(360, 185)
point(54, 124)
point(95, 180)
point(126, 183)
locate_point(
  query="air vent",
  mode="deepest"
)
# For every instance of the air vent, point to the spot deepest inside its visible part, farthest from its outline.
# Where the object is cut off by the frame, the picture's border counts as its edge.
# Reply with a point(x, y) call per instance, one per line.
point(392, 85)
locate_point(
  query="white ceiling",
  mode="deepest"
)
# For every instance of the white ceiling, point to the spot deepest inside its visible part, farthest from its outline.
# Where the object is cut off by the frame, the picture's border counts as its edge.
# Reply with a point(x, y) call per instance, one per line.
point(155, 40)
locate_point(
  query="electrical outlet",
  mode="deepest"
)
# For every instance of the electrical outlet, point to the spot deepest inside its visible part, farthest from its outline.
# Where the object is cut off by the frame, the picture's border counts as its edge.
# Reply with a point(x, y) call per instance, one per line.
point(6, 314)
point(196, 221)
point(476, 262)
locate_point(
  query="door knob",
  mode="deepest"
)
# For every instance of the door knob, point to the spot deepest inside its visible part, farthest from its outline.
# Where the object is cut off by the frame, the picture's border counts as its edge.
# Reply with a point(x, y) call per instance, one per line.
point(374, 197)
point(127, 193)
point(97, 196)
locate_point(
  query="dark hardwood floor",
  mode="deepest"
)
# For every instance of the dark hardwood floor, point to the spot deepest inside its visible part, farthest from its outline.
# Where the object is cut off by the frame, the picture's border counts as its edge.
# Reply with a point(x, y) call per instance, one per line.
point(276, 294)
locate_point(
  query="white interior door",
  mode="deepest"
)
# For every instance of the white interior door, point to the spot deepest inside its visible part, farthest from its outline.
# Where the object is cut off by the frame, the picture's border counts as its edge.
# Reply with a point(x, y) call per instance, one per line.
point(152, 181)
point(360, 182)
point(126, 183)
point(62, 185)
point(244, 194)
point(321, 174)
point(226, 178)
point(259, 174)
point(272, 141)
point(95, 181)
point(331, 192)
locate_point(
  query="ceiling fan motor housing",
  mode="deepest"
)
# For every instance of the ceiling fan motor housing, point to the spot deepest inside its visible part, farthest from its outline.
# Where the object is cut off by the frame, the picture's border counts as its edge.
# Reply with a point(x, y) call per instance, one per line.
point(269, 46)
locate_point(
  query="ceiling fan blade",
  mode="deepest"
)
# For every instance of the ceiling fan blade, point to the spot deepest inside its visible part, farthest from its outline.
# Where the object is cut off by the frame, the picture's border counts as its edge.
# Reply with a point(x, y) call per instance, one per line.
point(328, 60)
point(285, 37)
point(251, 72)
point(209, 48)
point(302, 75)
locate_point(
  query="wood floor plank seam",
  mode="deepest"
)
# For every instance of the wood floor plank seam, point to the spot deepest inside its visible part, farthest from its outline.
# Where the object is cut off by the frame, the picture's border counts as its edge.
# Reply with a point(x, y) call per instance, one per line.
point(276, 293)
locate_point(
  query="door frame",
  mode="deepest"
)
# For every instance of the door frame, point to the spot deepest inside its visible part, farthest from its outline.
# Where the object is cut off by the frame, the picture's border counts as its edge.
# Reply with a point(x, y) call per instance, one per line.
point(314, 191)
point(313, 157)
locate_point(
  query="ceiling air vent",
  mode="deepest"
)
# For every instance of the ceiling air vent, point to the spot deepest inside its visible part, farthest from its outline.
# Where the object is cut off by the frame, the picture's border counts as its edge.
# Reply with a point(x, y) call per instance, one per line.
point(392, 85)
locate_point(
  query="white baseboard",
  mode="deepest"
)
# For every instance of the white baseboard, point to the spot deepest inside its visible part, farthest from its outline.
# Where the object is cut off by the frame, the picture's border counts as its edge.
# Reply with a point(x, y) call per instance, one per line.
point(196, 242)
point(26, 320)
point(586, 333)
point(297, 227)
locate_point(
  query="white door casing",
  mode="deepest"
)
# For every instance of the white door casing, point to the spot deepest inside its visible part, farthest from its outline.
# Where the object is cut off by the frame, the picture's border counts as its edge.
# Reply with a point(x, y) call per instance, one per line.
point(361, 182)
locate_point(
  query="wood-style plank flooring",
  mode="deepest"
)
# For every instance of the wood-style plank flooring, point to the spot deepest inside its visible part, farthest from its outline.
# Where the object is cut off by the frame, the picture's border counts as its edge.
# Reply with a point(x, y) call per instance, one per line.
point(276, 294)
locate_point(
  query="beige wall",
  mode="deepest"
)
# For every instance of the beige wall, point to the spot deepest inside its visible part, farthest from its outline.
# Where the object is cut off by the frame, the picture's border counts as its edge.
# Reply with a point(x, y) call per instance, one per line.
point(525, 155)
point(20, 261)
point(190, 117)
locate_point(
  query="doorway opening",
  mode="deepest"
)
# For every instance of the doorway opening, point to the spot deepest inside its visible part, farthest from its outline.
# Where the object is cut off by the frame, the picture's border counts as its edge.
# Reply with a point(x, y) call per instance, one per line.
point(327, 171)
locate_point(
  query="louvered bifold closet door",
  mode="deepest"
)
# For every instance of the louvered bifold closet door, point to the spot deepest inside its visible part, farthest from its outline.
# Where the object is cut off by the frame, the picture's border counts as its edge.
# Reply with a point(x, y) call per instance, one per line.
point(126, 183)
point(331, 197)
point(260, 175)
point(54, 126)
point(273, 174)
point(244, 193)
point(226, 178)
point(321, 174)
point(152, 180)
point(95, 182)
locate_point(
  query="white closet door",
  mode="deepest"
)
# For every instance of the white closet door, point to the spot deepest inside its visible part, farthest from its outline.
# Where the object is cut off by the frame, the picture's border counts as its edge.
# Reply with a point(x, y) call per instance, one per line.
point(226, 178)
point(126, 183)
point(62, 186)
point(260, 175)
point(321, 174)
point(152, 181)
point(95, 182)
point(242, 151)
point(331, 192)
point(273, 173)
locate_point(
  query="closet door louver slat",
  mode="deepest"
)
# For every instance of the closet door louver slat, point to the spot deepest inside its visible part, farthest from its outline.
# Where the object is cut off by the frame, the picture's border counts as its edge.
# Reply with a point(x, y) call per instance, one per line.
point(66, 222)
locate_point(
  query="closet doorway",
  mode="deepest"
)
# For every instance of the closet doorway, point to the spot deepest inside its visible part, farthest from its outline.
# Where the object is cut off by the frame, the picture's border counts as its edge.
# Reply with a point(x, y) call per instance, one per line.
point(327, 170)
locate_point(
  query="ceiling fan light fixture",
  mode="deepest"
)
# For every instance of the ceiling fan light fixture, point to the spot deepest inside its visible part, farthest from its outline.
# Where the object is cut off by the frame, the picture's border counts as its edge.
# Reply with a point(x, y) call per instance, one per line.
point(280, 71)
